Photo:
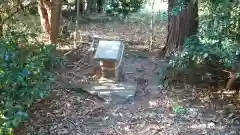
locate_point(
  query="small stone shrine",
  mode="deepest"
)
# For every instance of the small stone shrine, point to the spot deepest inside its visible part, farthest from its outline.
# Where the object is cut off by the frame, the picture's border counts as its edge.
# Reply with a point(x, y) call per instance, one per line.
point(110, 54)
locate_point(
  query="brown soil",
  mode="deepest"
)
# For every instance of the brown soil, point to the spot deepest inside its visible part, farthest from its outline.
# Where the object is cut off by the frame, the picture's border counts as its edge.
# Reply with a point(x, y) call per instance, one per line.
point(177, 110)
point(182, 110)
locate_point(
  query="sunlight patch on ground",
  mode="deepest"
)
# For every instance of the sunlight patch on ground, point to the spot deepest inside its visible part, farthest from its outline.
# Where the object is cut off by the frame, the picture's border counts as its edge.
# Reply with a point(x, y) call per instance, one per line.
point(204, 125)
point(64, 48)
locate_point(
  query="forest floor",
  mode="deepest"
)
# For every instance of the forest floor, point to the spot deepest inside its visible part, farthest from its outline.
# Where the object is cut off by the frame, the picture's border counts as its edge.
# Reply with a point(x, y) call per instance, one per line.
point(177, 110)
point(136, 33)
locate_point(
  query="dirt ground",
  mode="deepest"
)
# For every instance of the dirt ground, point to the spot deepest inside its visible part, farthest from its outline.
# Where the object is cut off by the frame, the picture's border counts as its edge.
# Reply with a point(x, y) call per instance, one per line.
point(69, 113)
point(177, 110)
point(137, 34)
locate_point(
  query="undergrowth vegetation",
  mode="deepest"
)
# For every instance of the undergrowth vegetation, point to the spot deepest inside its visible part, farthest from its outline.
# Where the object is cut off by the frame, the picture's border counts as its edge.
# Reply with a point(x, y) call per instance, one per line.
point(122, 7)
point(25, 76)
point(216, 46)
point(27, 66)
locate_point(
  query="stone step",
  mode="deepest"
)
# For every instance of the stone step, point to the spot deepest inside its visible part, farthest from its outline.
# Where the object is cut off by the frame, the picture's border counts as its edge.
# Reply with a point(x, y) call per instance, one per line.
point(117, 92)
point(106, 89)
point(110, 90)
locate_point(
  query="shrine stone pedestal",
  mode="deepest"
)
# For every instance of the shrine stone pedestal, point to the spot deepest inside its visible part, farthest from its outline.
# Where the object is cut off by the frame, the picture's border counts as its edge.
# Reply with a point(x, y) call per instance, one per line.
point(108, 65)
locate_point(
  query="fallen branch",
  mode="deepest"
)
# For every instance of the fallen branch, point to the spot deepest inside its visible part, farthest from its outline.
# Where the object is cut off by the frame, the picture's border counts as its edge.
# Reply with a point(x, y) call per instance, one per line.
point(78, 48)
point(232, 76)
point(232, 79)
point(150, 128)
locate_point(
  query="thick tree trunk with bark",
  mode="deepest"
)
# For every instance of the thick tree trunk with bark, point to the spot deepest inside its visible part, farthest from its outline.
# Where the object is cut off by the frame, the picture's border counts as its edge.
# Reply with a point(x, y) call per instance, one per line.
point(49, 11)
point(181, 26)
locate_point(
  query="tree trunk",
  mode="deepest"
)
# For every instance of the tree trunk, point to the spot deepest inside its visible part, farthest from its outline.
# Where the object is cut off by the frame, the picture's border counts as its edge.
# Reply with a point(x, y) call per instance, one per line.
point(55, 20)
point(1, 26)
point(49, 11)
point(100, 4)
point(181, 26)
point(152, 26)
point(91, 6)
point(17, 3)
point(81, 6)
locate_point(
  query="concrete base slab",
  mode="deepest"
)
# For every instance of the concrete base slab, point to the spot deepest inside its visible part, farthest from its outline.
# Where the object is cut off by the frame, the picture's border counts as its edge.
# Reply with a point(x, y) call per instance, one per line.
point(108, 88)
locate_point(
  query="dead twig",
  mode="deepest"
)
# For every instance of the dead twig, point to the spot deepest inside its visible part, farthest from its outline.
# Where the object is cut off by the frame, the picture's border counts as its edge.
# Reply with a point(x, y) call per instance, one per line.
point(150, 127)
point(119, 132)
point(90, 100)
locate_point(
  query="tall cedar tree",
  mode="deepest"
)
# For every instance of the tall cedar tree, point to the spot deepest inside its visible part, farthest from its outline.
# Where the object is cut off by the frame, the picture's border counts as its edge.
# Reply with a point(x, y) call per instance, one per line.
point(181, 26)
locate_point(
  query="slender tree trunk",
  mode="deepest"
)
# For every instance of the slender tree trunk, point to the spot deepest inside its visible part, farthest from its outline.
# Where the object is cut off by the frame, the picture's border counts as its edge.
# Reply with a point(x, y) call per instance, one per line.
point(100, 4)
point(152, 26)
point(17, 3)
point(76, 34)
point(1, 26)
point(91, 6)
point(55, 20)
point(49, 11)
point(44, 12)
point(81, 6)
point(181, 26)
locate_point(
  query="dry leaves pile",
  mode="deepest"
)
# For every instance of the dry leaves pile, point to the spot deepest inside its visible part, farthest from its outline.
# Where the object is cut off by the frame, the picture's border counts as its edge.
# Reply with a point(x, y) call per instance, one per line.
point(81, 114)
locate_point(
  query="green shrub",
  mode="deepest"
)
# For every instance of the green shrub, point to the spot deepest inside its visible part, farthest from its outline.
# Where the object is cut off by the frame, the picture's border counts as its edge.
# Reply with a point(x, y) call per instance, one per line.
point(202, 59)
point(24, 78)
point(216, 46)
point(201, 52)
point(123, 7)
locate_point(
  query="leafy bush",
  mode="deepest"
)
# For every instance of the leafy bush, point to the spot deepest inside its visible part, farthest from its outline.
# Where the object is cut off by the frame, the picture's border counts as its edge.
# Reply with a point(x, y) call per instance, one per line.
point(24, 78)
point(123, 7)
point(216, 46)
point(201, 52)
